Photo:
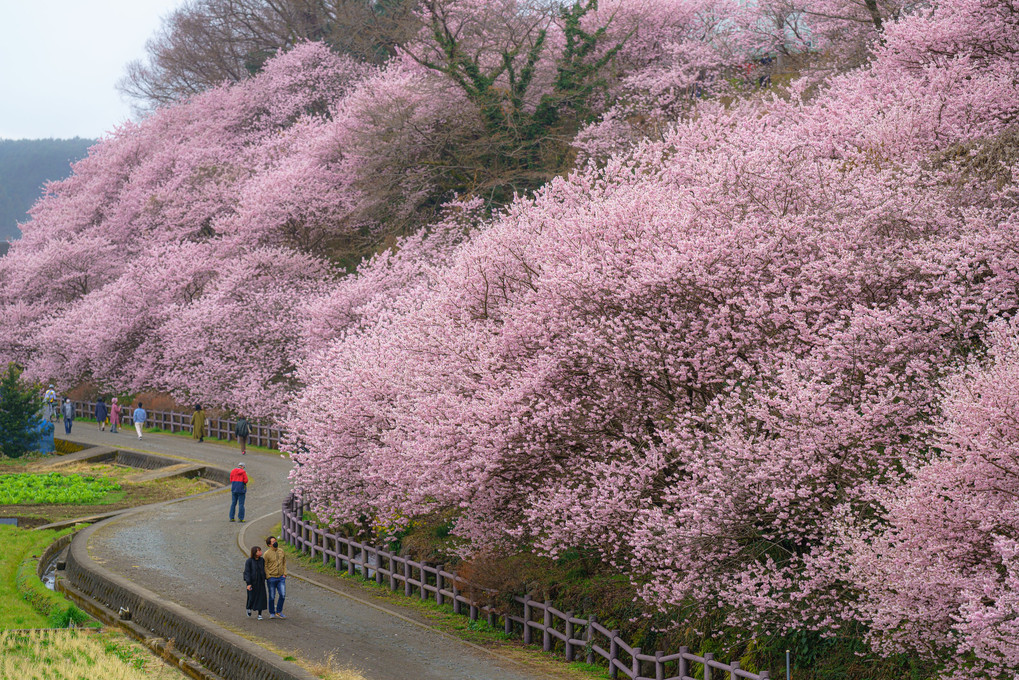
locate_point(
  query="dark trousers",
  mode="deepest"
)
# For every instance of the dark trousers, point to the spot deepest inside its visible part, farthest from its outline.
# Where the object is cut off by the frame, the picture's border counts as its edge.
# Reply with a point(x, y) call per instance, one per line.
point(67, 424)
point(237, 499)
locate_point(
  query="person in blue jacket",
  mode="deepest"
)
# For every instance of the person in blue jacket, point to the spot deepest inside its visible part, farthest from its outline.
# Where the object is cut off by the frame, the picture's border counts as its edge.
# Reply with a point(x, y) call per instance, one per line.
point(139, 417)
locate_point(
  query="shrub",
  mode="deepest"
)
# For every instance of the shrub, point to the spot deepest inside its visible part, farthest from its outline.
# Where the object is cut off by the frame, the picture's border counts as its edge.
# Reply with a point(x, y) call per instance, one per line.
point(19, 410)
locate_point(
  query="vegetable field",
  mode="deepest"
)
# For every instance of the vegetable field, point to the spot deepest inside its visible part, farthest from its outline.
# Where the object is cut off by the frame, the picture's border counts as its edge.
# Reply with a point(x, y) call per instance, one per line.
point(53, 487)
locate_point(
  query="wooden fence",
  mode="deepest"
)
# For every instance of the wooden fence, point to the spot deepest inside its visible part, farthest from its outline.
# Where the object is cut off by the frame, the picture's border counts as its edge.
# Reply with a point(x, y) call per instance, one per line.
point(174, 421)
point(579, 639)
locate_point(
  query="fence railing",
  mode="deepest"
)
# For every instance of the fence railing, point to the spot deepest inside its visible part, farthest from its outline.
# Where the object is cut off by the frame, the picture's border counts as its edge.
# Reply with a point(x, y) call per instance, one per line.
point(174, 421)
point(578, 638)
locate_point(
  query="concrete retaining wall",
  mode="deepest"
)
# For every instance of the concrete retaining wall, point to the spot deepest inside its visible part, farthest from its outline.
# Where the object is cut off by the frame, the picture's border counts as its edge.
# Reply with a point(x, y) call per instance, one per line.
point(47, 556)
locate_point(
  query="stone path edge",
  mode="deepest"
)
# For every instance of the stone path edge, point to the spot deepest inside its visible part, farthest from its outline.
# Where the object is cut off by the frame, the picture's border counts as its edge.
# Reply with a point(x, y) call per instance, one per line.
point(164, 625)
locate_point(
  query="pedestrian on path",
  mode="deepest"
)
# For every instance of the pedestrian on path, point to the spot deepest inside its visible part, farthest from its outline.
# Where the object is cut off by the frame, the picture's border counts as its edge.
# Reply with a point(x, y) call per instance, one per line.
point(276, 577)
point(101, 414)
point(50, 404)
point(68, 409)
point(114, 416)
point(242, 430)
point(254, 576)
point(238, 487)
point(139, 417)
point(198, 423)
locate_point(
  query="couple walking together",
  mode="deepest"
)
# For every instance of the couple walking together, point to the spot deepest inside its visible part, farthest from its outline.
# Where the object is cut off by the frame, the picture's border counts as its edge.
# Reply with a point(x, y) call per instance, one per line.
point(109, 415)
point(265, 571)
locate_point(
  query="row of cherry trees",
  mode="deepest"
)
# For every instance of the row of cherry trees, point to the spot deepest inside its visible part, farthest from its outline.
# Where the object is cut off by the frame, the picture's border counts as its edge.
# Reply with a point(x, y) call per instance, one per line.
point(757, 351)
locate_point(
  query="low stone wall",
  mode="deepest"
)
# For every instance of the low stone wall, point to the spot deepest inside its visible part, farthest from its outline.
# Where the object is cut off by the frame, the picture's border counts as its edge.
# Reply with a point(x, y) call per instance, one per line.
point(220, 651)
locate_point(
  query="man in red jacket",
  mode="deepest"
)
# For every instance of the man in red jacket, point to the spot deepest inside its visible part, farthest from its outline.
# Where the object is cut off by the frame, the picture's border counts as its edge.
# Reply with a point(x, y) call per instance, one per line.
point(238, 487)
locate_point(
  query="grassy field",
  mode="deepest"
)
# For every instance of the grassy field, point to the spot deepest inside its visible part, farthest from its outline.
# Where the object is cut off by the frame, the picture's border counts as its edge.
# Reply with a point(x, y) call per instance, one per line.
point(77, 654)
point(27, 602)
point(129, 494)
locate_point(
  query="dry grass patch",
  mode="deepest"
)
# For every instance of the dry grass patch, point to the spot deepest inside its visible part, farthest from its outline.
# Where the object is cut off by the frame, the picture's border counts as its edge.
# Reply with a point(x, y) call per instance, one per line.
point(75, 654)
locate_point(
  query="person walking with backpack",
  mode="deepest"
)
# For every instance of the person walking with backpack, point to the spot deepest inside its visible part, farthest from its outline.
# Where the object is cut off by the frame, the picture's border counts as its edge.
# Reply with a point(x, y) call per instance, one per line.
point(242, 430)
point(50, 407)
point(139, 417)
point(238, 488)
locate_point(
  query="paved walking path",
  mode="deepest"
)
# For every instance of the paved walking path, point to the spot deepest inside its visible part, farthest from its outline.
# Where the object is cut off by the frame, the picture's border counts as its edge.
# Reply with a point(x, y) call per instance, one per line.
point(189, 553)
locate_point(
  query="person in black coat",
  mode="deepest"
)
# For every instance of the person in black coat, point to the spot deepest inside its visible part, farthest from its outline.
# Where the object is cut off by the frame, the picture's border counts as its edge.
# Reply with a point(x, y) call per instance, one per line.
point(254, 576)
point(101, 414)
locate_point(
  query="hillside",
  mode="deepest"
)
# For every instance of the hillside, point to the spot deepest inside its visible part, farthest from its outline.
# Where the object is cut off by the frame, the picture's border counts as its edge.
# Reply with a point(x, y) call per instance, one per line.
point(25, 166)
point(747, 338)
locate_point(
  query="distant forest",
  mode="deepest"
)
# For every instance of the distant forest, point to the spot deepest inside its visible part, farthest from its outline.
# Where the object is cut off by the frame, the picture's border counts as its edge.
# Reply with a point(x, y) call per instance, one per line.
point(25, 166)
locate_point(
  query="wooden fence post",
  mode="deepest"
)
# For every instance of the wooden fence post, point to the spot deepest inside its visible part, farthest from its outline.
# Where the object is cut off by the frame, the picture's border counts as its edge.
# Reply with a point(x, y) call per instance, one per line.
point(392, 572)
point(659, 667)
point(456, 597)
point(589, 637)
point(350, 557)
point(613, 654)
point(424, 580)
point(732, 673)
point(527, 618)
point(569, 636)
point(635, 663)
point(438, 583)
point(406, 577)
point(546, 639)
point(378, 566)
point(707, 667)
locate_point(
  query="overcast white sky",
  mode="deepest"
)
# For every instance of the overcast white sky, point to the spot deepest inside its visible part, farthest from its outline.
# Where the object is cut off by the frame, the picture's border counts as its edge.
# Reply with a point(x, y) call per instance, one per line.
point(60, 60)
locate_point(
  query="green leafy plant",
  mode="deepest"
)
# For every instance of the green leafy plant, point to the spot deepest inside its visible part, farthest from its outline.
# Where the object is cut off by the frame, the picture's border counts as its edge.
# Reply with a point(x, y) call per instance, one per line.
point(54, 488)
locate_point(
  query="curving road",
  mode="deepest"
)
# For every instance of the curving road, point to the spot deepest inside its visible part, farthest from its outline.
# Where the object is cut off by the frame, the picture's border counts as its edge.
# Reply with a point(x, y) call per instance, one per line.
point(188, 552)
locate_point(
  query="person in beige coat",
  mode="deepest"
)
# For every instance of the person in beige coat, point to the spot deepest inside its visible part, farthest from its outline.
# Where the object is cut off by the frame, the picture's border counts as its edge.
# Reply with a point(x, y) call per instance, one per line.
point(275, 577)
